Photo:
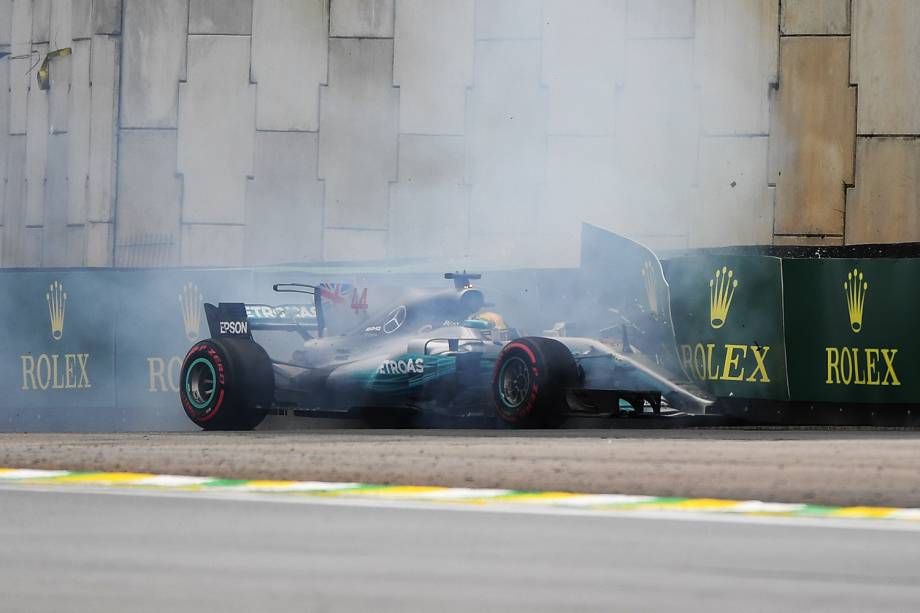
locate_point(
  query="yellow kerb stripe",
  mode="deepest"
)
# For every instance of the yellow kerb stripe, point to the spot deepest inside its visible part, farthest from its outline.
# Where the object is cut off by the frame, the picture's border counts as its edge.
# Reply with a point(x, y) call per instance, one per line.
point(98, 478)
point(270, 484)
point(694, 504)
point(705, 504)
point(538, 497)
point(873, 512)
point(398, 490)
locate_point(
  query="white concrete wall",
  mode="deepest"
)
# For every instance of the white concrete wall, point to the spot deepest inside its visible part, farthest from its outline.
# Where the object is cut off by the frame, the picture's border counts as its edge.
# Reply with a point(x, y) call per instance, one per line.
point(149, 199)
point(154, 62)
point(433, 64)
point(284, 201)
point(583, 49)
point(5, 137)
point(289, 49)
point(357, 139)
point(291, 130)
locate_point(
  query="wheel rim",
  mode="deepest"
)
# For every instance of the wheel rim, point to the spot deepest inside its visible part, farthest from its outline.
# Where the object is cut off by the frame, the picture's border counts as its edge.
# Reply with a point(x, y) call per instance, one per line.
point(200, 383)
point(514, 382)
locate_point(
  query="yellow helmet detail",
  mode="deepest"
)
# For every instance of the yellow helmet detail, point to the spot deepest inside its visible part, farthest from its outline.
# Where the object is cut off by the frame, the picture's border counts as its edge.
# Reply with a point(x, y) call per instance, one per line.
point(493, 318)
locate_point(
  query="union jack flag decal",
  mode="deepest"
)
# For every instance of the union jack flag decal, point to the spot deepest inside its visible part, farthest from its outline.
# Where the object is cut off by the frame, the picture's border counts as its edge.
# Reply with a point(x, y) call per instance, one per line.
point(338, 294)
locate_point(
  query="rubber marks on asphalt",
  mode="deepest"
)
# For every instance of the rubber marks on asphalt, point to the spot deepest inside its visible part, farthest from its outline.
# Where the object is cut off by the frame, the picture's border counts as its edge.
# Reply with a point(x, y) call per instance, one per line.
point(495, 498)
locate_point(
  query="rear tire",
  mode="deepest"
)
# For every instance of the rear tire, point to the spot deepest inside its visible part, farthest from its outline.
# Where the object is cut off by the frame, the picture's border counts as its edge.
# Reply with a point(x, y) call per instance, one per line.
point(530, 381)
point(226, 384)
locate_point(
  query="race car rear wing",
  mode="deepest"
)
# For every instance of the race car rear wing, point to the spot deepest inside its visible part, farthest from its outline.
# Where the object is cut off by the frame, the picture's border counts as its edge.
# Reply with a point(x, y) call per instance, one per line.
point(239, 320)
point(310, 290)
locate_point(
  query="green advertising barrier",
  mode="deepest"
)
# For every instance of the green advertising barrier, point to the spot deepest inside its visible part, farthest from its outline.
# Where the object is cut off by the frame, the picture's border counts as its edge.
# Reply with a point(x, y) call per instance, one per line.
point(728, 322)
point(852, 330)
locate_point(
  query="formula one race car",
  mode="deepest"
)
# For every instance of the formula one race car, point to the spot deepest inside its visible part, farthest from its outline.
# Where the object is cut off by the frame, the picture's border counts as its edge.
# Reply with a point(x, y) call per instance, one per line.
point(435, 353)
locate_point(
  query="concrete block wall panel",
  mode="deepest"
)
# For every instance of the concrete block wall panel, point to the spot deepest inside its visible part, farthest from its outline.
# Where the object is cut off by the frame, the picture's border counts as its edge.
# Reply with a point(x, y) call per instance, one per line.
point(812, 136)
point(735, 55)
point(107, 16)
point(735, 204)
point(658, 137)
point(18, 79)
point(99, 240)
point(154, 62)
point(20, 75)
point(543, 135)
point(4, 142)
point(21, 24)
point(507, 139)
point(289, 62)
point(508, 250)
point(36, 152)
point(149, 198)
point(215, 155)
point(886, 45)
point(81, 19)
point(429, 206)
point(220, 17)
point(60, 68)
point(816, 17)
point(54, 237)
point(79, 132)
point(14, 200)
point(341, 244)
point(41, 21)
point(60, 24)
point(660, 18)
point(583, 182)
point(31, 248)
point(361, 18)
point(212, 245)
point(75, 245)
point(583, 48)
point(6, 22)
point(284, 202)
point(884, 206)
point(104, 72)
point(433, 64)
point(59, 94)
point(357, 138)
point(508, 19)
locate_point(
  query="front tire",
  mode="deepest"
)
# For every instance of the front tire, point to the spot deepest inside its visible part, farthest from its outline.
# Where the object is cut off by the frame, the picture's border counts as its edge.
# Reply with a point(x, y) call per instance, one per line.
point(226, 384)
point(530, 381)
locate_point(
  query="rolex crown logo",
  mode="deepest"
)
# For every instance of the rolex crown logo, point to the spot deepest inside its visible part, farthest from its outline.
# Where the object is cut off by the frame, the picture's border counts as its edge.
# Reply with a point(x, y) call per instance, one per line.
point(651, 286)
point(57, 302)
point(721, 291)
point(855, 288)
point(190, 304)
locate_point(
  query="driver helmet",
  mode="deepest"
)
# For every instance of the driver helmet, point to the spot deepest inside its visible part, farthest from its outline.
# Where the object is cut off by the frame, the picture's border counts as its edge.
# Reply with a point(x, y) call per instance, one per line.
point(499, 330)
point(496, 320)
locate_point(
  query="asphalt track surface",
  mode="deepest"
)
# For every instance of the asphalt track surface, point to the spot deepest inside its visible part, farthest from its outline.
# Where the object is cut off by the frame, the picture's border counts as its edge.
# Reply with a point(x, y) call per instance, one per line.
point(100, 552)
point(833, 467)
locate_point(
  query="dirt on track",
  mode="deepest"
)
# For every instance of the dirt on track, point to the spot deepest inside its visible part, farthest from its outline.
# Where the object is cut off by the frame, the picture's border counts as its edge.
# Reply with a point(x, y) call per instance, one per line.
point(834, 467)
